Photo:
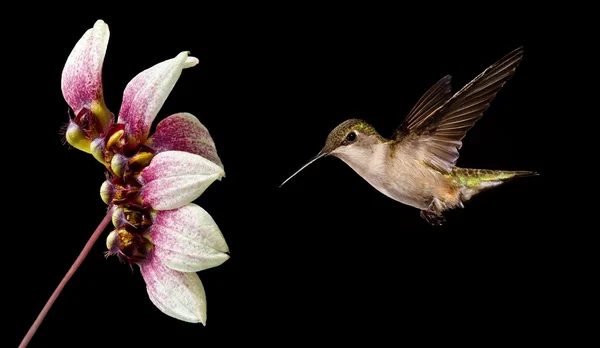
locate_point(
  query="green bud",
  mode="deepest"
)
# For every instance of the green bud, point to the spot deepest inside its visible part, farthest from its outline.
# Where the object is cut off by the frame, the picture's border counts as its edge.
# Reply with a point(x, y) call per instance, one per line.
point(111, 240)
point(77, 138)
point(107, 191)
point(97, 149)
point(118, 164)
point(118, 217)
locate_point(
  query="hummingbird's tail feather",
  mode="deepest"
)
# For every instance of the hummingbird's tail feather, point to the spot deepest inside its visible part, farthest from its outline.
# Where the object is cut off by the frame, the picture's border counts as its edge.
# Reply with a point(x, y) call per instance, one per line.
point(474, 181)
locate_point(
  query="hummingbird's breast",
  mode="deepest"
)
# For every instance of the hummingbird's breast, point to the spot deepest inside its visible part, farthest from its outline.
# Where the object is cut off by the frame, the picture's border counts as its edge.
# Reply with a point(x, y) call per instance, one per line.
point(397, 175)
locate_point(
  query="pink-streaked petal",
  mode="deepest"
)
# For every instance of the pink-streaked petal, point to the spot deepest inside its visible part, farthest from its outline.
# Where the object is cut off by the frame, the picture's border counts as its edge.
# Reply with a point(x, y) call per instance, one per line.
point(82, 75)
point(184, 132)
point(176, 178)
point(188, 239)
point(147, 92)
point(177, 294)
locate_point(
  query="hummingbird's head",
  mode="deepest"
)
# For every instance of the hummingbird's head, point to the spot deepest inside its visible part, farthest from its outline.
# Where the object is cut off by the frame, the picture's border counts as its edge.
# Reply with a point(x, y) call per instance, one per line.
point(350, 138)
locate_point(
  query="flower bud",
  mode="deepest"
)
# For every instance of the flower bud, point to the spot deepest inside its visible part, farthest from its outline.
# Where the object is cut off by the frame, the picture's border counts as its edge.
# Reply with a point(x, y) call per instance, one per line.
point(77, 137)
point(107, 191)
point(111, 241)
point(118, 218)
point(118, 164)
point(97, 149)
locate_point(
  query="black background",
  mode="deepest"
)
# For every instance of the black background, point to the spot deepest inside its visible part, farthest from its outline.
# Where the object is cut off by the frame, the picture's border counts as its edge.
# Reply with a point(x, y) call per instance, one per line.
point(326, 258)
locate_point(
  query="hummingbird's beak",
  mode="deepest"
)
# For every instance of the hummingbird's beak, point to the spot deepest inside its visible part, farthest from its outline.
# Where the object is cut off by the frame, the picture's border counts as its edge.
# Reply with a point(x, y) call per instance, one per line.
point(321, 154)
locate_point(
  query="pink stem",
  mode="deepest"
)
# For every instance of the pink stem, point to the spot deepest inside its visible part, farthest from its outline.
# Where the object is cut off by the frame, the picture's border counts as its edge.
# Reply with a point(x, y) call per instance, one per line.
point(67, 277)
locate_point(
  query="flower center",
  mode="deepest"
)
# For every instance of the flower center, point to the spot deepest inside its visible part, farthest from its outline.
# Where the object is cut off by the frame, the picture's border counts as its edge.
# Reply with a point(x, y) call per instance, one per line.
point(132, 219)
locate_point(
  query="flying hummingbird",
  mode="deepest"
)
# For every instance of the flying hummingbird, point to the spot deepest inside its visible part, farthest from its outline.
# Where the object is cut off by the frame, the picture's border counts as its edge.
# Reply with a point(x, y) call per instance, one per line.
point(417, 165)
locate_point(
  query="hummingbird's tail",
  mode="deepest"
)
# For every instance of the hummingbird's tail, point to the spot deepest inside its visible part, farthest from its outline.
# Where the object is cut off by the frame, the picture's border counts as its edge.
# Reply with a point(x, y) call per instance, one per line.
point(473, 181)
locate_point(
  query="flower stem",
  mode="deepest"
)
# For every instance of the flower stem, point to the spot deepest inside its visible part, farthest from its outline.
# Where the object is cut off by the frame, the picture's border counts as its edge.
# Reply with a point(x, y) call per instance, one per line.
point(67, 277)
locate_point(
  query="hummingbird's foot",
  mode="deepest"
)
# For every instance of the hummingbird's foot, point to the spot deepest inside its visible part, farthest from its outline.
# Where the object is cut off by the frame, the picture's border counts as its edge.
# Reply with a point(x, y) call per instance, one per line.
point(433, 218)
point(431, 215)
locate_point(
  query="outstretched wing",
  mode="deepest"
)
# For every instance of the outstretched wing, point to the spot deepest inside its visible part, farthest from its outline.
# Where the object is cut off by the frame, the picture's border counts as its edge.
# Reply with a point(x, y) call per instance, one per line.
point(435, 97)
point(436, 130)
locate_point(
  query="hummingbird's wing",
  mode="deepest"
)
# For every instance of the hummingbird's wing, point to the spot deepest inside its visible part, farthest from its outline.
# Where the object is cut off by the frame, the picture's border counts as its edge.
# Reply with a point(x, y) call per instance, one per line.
point(435, 97)
point(437, 136)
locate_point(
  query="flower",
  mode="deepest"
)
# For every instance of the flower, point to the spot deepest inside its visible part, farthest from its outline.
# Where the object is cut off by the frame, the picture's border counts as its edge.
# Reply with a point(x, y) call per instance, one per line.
point(151, 180)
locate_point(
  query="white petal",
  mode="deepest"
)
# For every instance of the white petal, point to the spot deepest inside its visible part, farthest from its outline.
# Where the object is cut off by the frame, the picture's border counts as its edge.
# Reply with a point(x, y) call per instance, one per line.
point(82, 75)
point(177, 294)
point(147, 92)
point(184, 132)
point(176, 178)
point(188, 239)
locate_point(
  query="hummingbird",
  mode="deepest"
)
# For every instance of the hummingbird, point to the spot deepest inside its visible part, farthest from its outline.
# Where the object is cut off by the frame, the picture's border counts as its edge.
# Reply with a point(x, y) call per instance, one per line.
point(417, 166)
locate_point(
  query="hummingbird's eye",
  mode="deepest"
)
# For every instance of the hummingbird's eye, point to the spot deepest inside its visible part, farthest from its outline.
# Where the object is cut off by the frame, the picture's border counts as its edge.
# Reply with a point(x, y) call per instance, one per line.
point(350, 137)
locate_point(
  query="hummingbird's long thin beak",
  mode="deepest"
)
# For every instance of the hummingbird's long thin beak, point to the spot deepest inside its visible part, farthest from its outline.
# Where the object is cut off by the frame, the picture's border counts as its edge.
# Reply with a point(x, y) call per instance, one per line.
point(321, 154)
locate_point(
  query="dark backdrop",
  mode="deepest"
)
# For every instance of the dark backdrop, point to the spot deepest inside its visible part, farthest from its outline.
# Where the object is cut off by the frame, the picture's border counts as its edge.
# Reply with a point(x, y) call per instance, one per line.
point(326, 258)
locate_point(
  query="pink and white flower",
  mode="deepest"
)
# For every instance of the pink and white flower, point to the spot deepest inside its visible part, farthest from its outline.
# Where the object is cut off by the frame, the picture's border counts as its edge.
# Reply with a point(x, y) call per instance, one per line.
point(151, 180)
